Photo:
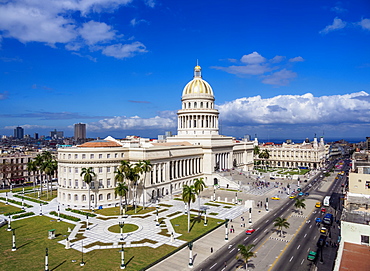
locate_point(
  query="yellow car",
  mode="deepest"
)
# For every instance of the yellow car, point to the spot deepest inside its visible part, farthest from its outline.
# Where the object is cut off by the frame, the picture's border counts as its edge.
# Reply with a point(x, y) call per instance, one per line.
point(318, 204)
point(275, 198)
point(292, 197)
point(323, 230)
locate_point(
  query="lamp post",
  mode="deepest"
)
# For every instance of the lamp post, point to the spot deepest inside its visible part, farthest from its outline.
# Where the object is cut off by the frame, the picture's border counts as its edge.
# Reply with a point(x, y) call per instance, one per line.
point(156, 218)
point(214, 193)
point(250, 215)
point(205, 217)
point(14, 248)
point(236, 197)
point(23, 189)
point(23, 203)
point(11, 188)
point(267, 204)
point(121, 225)
point(40, 208)
point(190, 246)
point(9, 226)
point(6, 195)
point(58, 213)
point(46, 260)
point(82, 263)
point(68, 245)
point(87, 223)
point(123, 266)
point(226, 231)
point(185, 208)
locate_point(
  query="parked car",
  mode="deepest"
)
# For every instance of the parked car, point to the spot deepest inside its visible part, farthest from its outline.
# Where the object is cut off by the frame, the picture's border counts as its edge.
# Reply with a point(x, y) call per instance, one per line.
point(323, 230)
point(312, 255)
point(318, 204)
point(250, 231)
point(323, 210)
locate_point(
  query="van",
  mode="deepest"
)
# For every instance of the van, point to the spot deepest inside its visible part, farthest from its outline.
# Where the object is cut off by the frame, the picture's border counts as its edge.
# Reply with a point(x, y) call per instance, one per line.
point(318, 204)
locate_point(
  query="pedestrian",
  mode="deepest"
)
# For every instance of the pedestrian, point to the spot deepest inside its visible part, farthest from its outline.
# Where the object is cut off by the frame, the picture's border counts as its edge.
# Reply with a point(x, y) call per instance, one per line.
point(225, 264)
point(241, 225)
point(244, 225)
point(211, 249)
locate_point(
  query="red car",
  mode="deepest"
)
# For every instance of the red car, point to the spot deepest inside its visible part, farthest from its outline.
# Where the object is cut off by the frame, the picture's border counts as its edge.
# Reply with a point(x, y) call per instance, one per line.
point(250, 231)
point(323, 210)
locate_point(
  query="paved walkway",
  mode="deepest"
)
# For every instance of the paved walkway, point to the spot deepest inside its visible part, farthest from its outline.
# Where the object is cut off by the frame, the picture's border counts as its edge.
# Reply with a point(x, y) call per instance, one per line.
point(99, 237)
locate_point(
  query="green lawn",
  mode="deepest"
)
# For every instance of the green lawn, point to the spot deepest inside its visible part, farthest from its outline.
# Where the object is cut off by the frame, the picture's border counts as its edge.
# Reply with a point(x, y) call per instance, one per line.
point(52, 194)
point(31, 241)
point(127, 228)
point(196, 226)
point(8, 208)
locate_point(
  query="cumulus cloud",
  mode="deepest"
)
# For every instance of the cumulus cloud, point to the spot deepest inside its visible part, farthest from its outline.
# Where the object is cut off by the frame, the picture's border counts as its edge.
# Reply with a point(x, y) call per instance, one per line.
point(296, 59)
point(336, 25)
point(135, 22)
point(150, 3)
point(59, 22)
point(124, 50)
point(269, 71)
point(30, 126)
point(3, 95)
point(297, 109)
point(130, 123)
point(95, 32)
point(365, 24)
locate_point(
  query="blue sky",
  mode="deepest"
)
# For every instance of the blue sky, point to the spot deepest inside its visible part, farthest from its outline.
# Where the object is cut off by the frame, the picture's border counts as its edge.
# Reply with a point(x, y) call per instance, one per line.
point(279, 69)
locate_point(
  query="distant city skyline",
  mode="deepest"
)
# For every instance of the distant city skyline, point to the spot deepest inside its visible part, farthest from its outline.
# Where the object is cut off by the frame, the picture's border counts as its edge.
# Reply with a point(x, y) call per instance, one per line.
point(284, 70)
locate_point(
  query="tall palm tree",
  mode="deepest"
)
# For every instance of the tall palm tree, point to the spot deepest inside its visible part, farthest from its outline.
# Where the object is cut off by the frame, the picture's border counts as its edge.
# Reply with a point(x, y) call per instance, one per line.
point(256, 150)
point(132, 173)
point(121, 190)
point(38, 162)
point(299, 203)
point(49, 167)
point(199, 185)
point(281, 223)
point(188, 196)
point(32, 167)
point(88, 174)
point(245, 252)
point(146, 166)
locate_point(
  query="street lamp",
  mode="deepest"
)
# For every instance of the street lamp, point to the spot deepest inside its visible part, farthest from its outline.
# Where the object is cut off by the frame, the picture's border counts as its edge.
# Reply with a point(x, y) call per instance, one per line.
point(87, 223)
point(250, 215)
point(122, 258)
point(236, 197)
point(190, 246)
point(226, 231)
point(156, 218)
point(214, 193)
point(267, 204)
point(82, 263)
point(14, 248)
point(6, 195)
point(46, 260)
point(9, 226)
point(205, 217)
point(23, 202)
point(121, 225)
point(40, 208)
point(58, 213)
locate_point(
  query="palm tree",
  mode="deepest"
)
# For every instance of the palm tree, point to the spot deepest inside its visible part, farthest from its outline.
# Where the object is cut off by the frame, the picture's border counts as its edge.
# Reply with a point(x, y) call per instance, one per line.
point(188, 196)
point(199, 185)
point(146, 166)
point(132, 173)
point(299, 203)
point(264, 155)
point(88, 174)
point(121, 190)
point(49, 167)
point(38, 162)
point(256, 150)
point(245, 252)
point(32, 167)
point(281, 223)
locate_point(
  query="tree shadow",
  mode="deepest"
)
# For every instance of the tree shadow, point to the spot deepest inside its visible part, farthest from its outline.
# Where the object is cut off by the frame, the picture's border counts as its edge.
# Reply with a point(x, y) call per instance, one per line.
point(25, 244)
point(195, 219)
point(58, 265)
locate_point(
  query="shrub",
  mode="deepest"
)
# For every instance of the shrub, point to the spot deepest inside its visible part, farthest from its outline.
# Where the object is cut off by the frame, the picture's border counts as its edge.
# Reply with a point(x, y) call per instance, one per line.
point(69, 217)
point(23, 215)
point(81, 212)
point(14, 213)
point(16, 202)
point(31, 199)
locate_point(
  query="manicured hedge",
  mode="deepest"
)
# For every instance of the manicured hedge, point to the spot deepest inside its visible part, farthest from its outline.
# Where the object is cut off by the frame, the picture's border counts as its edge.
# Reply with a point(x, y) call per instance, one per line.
point(23, 215)
point(31, 199)
point(14, 213)
point(16, 202)
point(80, 212)
point(69, 217)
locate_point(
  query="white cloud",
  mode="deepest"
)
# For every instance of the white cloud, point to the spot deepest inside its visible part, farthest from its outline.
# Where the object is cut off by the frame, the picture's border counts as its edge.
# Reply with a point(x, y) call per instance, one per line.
point(95, 32)
point(135, 22)
point(136, 123)
point(280, 78)
point(338, 9)
point(3, 95)
point(254, 69)
point(124, 50)
point(296, 59)
point(336, 25)
point(30, 126)
point(253, 58)
point(297, 109)
point(58, 22)
point(150, 3)
point(277, 59)
point(365, 24)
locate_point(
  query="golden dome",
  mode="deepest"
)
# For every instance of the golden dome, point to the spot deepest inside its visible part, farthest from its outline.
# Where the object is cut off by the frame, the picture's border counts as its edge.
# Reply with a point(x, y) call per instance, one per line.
point(197, 86)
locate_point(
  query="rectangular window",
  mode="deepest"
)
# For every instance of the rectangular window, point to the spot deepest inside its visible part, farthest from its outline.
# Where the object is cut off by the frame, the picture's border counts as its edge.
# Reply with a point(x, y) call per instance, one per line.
point(100, 182)
point(108, 182)
point(108, 155)
point(100, 156)
point(367, 185)
point(116, 155)
point(76, 170)
point(69, 182)
point(91, 156)
point(76, 156)
point(83, 156)
point(100, 170)
point(76, 183)
point(69, 156)
point(69, 170)
point(108, 169)
point(365, 239)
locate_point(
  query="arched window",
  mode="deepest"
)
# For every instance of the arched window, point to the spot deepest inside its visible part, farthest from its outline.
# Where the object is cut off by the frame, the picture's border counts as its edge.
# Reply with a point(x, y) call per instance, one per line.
point(108, 196)
point(189, 105)
point(100, 197)
point(76, 197)
point(195, 104)
point(69, 197)
point(201, 105)
point(83, 197)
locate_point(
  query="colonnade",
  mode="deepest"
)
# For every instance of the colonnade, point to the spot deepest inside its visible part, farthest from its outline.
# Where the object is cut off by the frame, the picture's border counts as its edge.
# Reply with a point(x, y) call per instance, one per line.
point(222, 160)
point(185, 167)
point(198, 121)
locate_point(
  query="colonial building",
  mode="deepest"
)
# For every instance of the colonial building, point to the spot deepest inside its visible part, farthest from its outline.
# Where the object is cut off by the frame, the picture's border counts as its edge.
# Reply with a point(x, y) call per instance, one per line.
point(197, 151)
point(310, 155)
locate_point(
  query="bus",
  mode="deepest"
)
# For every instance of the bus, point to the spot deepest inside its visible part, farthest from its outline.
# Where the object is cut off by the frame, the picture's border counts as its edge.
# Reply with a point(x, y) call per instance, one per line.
point(328, 219)
point(326, 201)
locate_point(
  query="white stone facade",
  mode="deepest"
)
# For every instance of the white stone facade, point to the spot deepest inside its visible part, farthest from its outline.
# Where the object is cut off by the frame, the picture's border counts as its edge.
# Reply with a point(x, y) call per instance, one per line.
point(196, 152)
